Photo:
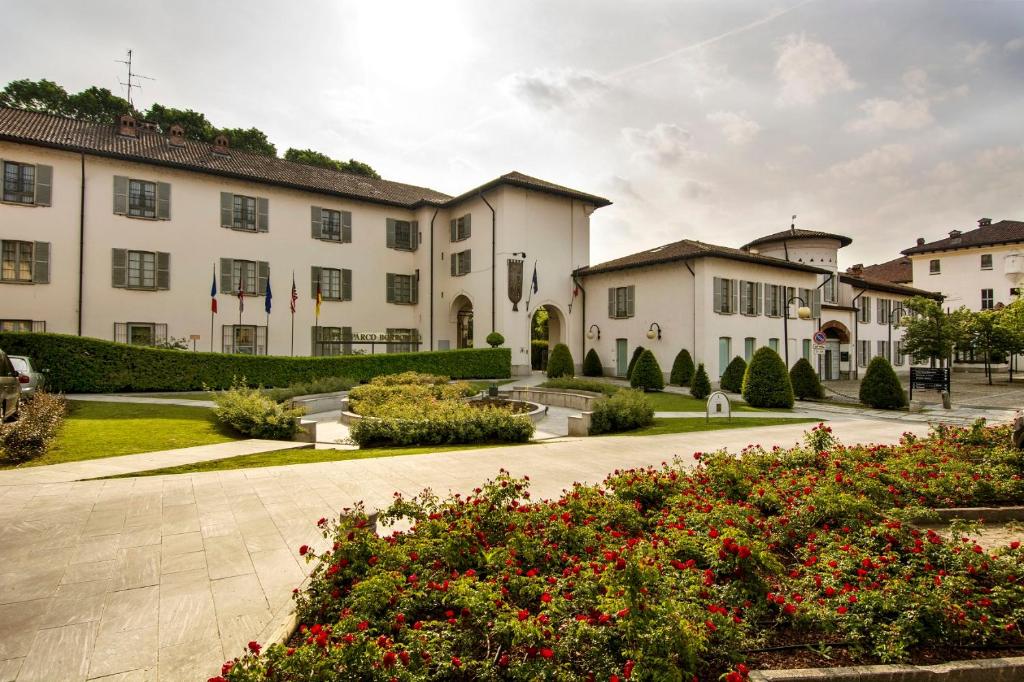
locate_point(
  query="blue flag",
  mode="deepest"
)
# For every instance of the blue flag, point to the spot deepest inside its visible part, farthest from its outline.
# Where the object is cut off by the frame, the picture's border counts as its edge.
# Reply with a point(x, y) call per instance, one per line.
point(269, 296)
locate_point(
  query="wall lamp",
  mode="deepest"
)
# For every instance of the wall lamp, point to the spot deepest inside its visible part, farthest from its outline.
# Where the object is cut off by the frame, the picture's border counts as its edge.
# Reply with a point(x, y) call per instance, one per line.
point(651, 334)
point(594, 332)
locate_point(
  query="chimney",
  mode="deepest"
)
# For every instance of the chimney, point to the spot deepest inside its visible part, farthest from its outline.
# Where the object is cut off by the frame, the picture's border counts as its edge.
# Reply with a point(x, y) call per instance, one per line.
point(984, 222)
point(954, 233)
point(220, 145)
point(127, 126)
point(857, 269)
point(177, 136)
point(920, 241)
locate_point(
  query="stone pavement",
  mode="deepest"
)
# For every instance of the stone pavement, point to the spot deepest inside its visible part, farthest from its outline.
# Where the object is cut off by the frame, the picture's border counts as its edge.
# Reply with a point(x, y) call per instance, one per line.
point(165, 577)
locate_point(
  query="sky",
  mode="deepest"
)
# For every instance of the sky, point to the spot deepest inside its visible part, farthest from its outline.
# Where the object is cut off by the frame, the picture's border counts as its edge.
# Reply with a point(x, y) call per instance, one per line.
point(713, 120)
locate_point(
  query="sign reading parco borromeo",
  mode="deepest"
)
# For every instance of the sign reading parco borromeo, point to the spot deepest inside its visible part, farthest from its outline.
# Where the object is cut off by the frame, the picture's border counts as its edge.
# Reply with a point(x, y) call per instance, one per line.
point(403, 337)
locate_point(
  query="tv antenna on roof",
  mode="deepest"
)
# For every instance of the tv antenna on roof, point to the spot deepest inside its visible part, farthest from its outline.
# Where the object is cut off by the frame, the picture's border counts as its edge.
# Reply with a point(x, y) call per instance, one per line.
point(132, 77)
point(792, 225)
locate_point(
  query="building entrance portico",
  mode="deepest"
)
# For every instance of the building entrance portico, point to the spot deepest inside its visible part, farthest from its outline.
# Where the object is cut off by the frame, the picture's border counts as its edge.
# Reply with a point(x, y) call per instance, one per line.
point(836, 360)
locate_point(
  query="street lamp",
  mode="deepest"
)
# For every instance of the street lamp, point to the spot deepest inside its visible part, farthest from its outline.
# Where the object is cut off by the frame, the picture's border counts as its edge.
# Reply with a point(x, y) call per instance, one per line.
point(803, 313)
point(892, 322)
point(591, 334)
point(651, 333)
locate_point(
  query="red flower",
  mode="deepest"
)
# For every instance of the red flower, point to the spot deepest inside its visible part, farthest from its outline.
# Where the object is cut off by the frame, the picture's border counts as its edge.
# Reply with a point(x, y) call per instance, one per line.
point(627, 670)
point(389, 659)
point(456, 661)
point(254, 647)
point(303, 550)
point(547, 653)
point(546, 598)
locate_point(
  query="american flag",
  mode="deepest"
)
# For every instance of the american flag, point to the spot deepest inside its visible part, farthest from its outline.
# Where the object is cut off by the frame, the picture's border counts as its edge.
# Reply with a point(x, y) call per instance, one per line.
point(295, 294)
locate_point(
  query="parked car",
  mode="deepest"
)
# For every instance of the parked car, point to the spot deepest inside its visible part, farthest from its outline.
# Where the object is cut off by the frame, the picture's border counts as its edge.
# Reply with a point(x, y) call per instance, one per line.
point(31, 379)
point(10, 389)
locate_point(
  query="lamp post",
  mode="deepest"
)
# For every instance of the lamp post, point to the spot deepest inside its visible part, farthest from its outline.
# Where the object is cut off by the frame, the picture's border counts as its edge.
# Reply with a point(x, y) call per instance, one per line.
point(591, 333)
point(803, 313)
point(652, 334)
point(892, 322)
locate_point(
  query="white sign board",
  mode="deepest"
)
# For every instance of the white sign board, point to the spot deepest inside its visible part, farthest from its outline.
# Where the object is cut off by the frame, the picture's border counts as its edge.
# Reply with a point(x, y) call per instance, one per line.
point(818, 349)
point(718, 405)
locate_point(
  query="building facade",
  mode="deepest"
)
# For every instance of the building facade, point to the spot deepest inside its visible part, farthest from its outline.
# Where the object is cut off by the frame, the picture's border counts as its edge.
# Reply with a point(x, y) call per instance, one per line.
point(122, 232)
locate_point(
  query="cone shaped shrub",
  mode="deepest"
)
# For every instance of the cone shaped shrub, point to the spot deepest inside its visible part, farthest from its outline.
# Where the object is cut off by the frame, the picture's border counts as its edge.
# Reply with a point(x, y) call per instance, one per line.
point(592, 364)
point(700, 387)
point(732, 378)
point(766, 383)
point(560, 362)
point(647, 373)
point(881, 387)
point(682, 369)
point(637, 352)
point(805, 381)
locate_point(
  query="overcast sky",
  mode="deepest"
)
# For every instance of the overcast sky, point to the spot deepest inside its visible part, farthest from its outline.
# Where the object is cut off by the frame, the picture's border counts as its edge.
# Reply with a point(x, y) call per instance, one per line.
point(713, 120)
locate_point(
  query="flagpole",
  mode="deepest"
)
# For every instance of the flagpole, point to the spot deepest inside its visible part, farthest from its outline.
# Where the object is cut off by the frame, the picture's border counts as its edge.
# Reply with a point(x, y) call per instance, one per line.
point(213, 291)
point(291, 304)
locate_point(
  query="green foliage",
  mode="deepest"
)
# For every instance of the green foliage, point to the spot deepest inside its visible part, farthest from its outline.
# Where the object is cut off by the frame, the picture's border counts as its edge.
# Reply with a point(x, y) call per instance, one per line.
point(539, 325)
point(98, 105)
point(700, 387)
point(880, 387)
point(494, 339)
point(637, 352)
point(196, 125)
point(591, 385)
point(732, 378)
point(592, 364)
point(250, 412)
point(249, 140)
point(682, 369)
point(84, 365)
point(624, 411)
point(560, 362)
point(315, 158)
point(43, 96)
point(39, 420)
point(647, 373)
point(766, 382)
point(311, 387)
point(929, 333)
point(805, 381)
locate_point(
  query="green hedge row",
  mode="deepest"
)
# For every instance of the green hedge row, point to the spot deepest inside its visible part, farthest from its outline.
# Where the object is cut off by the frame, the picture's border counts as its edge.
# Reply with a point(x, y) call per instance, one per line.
point(83, 365)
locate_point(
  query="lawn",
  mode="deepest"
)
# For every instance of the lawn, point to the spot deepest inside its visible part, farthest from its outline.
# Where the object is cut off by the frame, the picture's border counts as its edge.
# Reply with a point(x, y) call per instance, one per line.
point(661, 401)
point(661, 427)
point(173, 395)
point(94, 429)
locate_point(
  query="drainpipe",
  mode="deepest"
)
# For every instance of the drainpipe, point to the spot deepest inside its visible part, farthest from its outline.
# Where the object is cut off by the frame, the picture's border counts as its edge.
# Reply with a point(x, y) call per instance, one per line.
point(494, 257)
point(432, 278)
point(856, 335)
point(81, 245)
point(583, 316)
point(693, 324)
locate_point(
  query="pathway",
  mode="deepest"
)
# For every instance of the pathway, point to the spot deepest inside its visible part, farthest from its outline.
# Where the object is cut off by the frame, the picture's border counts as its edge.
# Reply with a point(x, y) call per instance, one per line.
point(165, 577)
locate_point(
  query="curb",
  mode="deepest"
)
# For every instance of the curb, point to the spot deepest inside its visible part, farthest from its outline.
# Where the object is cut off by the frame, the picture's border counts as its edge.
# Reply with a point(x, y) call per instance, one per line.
point(986, 670)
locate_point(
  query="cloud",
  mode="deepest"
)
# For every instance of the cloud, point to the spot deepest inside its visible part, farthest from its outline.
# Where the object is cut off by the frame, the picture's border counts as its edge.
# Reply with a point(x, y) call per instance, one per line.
point(973, 53)
point(549, 89)
point(666, 143)
point(916, 80)
point(809, 70)
point(878, 162)
point(737, 127)
point(911, 113)
point(1014, 45)
point(695, 190)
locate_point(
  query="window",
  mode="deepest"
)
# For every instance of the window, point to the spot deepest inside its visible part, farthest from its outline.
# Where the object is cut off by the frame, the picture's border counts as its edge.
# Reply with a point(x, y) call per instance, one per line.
point(621, 302)
point(773, 303)
point(725, 293)
point(934, 267)
point(332, 341)
point(987, 301)
point(245, 339)
point(864, 309)
point(402, 289)
point(19, 182)
point(883, 349)
point(749, 344)
point(830, 291)
point(141, 199)
point(335, 284)
point(406, 340)
point(863, 353)
point(773, 344)
point(460, 228)
point(402, 234)
point(140, 269)
point(244, 213)
point(812, 299)
point(461, 264)
point(239, 212)
point(140, 333)
point(806, 350)
point(724, 353)
point(243, 273)
point(249, 276)
point(22, 326)
point(750, 298)
point(884, 306)
point(897, 356)
point(331, 225)
point(986, 261)
point(17, 261)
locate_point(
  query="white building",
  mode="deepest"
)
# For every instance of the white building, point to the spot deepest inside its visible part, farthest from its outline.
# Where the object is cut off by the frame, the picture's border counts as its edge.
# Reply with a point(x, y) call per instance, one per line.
point(117, 232)
point(720, 302)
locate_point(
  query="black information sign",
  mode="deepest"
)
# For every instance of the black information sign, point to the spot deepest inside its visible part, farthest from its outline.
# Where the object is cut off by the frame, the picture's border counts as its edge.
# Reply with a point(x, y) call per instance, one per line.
point(929, 378)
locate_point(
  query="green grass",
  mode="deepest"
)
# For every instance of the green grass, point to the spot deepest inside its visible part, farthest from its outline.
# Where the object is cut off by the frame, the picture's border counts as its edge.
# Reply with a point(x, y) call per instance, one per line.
point(662, 427)
point(174, 395)
point(276, 458)
point(661, 401)
point(93, 430)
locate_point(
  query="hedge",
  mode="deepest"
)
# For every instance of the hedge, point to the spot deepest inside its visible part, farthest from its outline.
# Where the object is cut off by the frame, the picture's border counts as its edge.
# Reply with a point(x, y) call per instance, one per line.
point(766, 383)
point(700, 387)
point(647, 373)
point(732, 378)
point(592, 364)
point(626, 410)
point(637, 352)
point(682, 369)
point(880, 387)
point(560, 362)
point(805, 380)
point(83, 365)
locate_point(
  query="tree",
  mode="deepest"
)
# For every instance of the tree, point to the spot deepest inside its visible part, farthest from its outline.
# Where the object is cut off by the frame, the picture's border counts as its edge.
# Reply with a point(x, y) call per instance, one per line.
point(805, 380)
point(988, 336)
point(880, 387)
point(250, 140)
point(592, 364)
point(700, 387)
point(494, 339)
point(43, 96)
point(98, 105)
point(539, 326)
point(560, 363)
point(1011, 322)
point(196, 126)
point(732, 377)
point(766, 383)
point(315, 158)
point(928, 332)
point(682, 369)
point(637, 352)
point(647, 373)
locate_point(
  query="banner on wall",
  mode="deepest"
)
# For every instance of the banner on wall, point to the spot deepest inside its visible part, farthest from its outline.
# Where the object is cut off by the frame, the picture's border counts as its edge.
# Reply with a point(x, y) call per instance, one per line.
point(515, 282)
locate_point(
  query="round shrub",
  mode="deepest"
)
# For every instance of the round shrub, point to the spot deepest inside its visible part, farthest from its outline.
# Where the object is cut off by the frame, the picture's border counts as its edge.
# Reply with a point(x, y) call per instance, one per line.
point(560, 362)
point(637, 352)
point(766, 383)
point(249, 411)
point(647, 373)
point(682, 369)
point(732, 378)
point(881, 387)
point(700, 387)
point(494, 339)
point(624, 411)
point(592, 364)
point(805, 381)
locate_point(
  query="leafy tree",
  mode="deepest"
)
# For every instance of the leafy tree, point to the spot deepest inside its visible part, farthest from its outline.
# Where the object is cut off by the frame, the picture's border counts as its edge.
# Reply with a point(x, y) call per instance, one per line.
point(647, 373)
point(98, 105)
point(766, 383)
point(732, 377)
point(196, 126)
point(250, 140)
point(700, 387)
point(560, 363)
point(592, 364)
point(43, 96)
point(929, 333)
point(880, 387)
point(682, 369)
point(637, 352)
point(315, 158)
point(1011, 322)
point(539, 327)
point(989, 337)
point(805, 380)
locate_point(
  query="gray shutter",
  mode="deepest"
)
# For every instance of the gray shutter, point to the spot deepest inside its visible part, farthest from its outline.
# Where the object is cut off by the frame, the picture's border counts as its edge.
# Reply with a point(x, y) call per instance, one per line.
point(414, 234)
point(414, 286)
point(768, 299)
point(227, 266)
point(467, 262)
point(453, 226)
point(120, 332)
point(611, 302)
point(630, 300)
point(316, 218)
point(469, 224)
point(346, 340)
point(391, 233)
point(453, 262)
point(160, 333)
point(120, 195)
point(346, 285)
point(227, 209)
point(262, 214)
point(163, 200)
point(44, 185)
point(744, 297)
point(163, 270)
point(119, 268)
point(261, 340)
point(41, 266)
point(390, 288)
point(816, 304)
point(880, 304)
point(314, 278)
point(758, 300)
point(717, 285)
point(262, 276)
point(867, 308)
point(346, 227)
point(228, 339)
point(735, 297)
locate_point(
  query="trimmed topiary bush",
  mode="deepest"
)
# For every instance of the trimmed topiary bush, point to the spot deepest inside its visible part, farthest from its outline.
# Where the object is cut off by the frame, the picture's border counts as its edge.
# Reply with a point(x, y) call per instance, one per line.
point(560, 362)
point(700, 387)
point(249, 411)
point(624, 411)
point(647, 373)
point(766, 383)
point(805, 381)
point(494, 339)
point(732, 378)
point(592, 364)
point(637, 352)
point(881, 387)
point(682, 369)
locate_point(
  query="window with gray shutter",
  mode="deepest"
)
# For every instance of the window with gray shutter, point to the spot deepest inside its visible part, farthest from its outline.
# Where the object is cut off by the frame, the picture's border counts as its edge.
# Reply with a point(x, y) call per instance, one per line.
point(26, 183)
point(460, 263)
point(716, 287)
point(120, 195)
point(402, 234)
point(402, 289)
point(461, 228)
point(346, 284)
point(227, 283)
point(263, 273)
point(163, 270)
point(346, 227)
point(163, 201)
point(44, 185)
point(41, 266)
point(119, 268)
point(864, 308)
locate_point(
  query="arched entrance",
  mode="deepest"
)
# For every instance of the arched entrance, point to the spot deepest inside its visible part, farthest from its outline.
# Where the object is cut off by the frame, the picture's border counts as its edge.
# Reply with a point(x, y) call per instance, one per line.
point(462, 315)
point(837, 358)
point(547, 329)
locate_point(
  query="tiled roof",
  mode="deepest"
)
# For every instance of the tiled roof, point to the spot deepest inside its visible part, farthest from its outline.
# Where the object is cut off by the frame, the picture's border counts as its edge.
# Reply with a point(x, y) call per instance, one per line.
point(1003, 232)
point(899, 270)
point(151, 146)
point(687, 249)
point(789, 234)
point(883, 285)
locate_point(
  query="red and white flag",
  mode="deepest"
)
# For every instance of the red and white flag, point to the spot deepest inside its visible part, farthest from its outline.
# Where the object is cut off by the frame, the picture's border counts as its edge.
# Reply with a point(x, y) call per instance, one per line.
point(295, 294)
point(241, 298)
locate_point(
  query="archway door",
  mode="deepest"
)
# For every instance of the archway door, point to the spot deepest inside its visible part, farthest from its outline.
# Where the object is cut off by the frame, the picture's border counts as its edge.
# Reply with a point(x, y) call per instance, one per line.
point(462, 308)
point(836, 336)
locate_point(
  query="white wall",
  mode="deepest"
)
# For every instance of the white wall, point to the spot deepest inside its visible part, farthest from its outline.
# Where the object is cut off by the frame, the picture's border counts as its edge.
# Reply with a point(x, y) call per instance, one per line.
point(962, 279)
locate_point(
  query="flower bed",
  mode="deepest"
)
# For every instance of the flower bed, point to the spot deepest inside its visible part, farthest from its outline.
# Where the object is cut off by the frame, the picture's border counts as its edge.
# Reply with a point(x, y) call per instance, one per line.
point(665, 573)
